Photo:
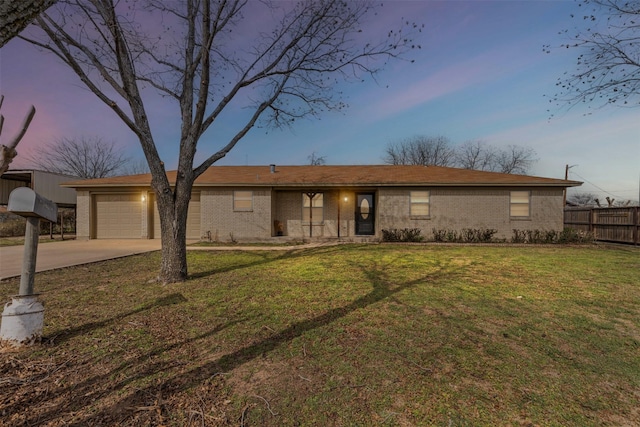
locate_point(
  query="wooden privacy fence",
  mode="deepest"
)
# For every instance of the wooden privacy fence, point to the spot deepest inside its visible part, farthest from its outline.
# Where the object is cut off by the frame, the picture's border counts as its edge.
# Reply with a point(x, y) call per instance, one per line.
point(616, 224)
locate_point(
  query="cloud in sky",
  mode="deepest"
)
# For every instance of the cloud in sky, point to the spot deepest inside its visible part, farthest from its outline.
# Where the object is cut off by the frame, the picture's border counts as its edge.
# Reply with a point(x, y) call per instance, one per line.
point(480, 74)
point(483, 68)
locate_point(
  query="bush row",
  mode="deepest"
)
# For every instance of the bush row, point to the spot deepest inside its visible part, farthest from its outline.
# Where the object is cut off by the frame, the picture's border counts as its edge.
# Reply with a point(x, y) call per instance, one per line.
point(16, 227)
point(486, 235)
point(12, 227)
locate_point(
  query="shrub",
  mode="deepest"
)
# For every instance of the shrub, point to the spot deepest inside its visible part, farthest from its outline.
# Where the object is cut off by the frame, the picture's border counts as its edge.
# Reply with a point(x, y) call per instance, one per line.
point(402, 235)
point(571, 235)
point(466, 235)
point(568, 235)
point(519, 236)
point(13, 227)
point(439, 235)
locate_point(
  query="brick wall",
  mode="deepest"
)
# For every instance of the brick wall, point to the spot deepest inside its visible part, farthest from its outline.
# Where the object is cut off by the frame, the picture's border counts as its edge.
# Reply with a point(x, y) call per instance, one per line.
point(458, 208)
point(83, 212)
point(451, 208)
point(221, 223)
point(146, 213)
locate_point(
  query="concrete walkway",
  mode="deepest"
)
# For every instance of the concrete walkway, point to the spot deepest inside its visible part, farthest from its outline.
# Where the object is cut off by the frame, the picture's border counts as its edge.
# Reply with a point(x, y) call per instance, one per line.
point(52, 255)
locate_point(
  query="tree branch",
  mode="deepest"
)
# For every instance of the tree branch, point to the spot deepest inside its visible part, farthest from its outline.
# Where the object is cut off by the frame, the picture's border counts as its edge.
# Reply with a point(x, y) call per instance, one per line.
point(8, 152)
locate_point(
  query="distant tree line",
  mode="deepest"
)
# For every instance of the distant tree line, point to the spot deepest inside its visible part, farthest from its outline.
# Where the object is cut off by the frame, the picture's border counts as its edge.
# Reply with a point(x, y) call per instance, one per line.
point(477, 155)
point(590, 199)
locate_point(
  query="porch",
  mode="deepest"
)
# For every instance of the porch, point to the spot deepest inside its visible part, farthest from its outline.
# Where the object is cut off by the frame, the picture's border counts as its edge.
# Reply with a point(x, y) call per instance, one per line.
point(332, 214)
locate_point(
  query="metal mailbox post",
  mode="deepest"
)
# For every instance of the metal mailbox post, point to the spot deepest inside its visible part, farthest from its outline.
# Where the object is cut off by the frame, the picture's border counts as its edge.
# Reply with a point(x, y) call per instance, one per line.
point(23, 317)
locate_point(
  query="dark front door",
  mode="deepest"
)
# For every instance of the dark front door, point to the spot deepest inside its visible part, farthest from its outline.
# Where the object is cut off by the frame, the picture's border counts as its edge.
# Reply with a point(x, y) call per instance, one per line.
point(365, 214)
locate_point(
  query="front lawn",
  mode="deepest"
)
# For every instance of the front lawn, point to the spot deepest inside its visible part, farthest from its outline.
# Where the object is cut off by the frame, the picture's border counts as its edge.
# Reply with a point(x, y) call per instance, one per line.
point(351, 335)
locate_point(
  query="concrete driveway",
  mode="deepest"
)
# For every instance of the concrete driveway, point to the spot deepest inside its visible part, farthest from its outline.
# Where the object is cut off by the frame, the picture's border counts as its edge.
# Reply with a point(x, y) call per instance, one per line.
point(52, 255)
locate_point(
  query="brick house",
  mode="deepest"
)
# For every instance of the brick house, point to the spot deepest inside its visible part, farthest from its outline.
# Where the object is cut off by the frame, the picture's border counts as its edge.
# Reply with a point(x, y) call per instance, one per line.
point(254, 203)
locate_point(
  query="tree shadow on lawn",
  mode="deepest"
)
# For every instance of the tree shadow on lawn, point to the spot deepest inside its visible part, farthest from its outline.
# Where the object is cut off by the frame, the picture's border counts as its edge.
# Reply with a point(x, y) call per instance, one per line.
point(66, 334)
point(79, 396)
point(174, 298)
point(383, 287)
point(265, 257)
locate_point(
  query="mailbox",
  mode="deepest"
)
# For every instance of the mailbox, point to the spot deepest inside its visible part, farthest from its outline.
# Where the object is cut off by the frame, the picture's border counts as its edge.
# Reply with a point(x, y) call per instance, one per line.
point(23, 318)
point(24, 201)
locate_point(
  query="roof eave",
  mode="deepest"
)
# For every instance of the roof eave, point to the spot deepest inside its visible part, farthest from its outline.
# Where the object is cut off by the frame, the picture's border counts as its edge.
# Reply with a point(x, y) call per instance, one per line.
point(130, 185)
point(562, 184)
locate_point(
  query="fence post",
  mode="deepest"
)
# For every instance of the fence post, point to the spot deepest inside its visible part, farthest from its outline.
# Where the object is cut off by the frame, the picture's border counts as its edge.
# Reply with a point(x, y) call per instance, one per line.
point(636, 225)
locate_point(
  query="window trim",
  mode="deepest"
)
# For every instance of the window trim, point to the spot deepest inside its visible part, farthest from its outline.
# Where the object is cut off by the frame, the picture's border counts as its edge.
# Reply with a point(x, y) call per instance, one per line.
point(237, 198)
point(305, 217)
point(412, 203)
point(513, 204)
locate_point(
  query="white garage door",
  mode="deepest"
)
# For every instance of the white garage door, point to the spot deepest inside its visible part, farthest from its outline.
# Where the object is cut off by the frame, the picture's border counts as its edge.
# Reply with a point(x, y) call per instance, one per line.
point(193, 218)
point(118, 216)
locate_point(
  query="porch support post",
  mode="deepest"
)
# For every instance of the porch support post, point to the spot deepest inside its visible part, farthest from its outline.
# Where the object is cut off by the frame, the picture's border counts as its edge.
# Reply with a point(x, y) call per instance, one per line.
point(339, 203)
point(311, 195)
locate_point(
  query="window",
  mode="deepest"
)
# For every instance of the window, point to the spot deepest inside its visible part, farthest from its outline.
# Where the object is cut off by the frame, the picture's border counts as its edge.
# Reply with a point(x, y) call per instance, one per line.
point(313, 207)
point(420, 203)
point(519, 204)
point(243, 201)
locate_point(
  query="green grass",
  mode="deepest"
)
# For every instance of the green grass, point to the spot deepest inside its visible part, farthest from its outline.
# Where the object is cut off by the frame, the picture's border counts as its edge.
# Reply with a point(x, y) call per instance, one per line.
point(351, 335)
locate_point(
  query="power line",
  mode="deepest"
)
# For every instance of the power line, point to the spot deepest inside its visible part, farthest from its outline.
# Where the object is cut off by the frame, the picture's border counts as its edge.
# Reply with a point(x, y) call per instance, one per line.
point(599, 188)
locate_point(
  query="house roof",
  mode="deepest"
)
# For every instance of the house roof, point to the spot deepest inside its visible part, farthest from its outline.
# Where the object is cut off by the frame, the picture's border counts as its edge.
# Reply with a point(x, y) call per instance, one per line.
point(337, 176)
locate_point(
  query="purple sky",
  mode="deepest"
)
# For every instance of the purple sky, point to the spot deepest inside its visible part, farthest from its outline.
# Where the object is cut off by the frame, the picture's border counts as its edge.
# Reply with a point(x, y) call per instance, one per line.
point(481, 74)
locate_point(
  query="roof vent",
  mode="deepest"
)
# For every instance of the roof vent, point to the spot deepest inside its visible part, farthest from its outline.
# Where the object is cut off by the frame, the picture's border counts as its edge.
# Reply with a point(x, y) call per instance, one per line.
point(272, 168)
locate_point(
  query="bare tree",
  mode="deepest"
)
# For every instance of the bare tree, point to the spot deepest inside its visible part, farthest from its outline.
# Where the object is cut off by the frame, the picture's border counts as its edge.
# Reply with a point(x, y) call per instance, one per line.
point(86, 157)
point(190, 52)
point(582, 199)
point(135, 167)
point(437, 151)
point(8, 152)
point(476, 155)
point(16, 15)
point(608, 66)
point(420, 150)
point(315, 160)
point(515, 159)
point(396, 153)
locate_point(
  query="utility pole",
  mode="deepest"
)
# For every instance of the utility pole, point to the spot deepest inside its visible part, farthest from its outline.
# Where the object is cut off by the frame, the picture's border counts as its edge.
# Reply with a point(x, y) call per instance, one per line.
point(566, 178)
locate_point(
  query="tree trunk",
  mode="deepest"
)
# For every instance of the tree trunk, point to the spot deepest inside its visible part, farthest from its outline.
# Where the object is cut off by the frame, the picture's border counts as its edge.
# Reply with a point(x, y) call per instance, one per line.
point(8, 152)
point(174, 255)
point(173, 209)
point(6, 157)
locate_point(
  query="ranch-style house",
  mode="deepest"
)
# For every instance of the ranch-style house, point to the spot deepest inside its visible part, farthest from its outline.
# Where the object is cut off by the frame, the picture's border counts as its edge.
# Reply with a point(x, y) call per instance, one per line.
point(257, 203)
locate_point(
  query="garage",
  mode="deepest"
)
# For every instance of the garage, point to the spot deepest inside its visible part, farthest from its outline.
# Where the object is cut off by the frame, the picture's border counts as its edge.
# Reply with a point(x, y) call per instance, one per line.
point(118, 216)
point(193, 218)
